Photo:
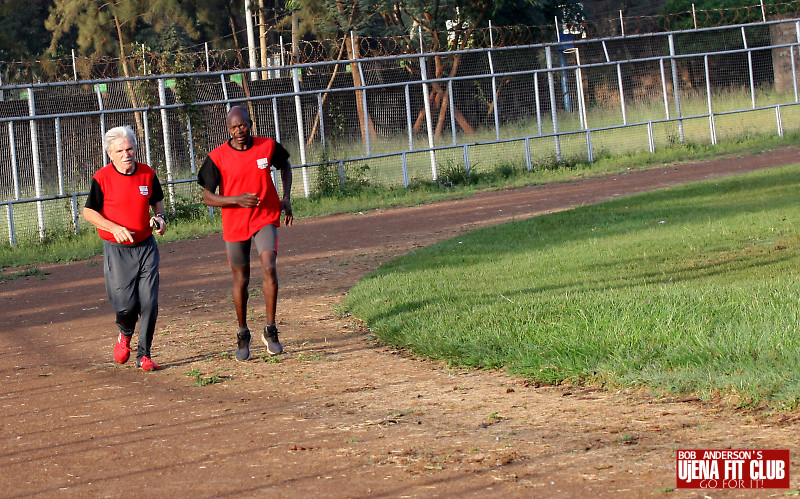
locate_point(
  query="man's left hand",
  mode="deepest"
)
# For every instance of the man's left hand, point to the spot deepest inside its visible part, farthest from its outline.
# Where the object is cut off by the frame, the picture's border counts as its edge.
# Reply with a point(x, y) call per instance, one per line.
point(159, 224)
point(286, 207)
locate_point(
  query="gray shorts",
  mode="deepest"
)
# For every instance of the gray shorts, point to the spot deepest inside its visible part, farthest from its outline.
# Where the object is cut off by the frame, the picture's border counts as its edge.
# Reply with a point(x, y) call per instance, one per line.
point(266, 239)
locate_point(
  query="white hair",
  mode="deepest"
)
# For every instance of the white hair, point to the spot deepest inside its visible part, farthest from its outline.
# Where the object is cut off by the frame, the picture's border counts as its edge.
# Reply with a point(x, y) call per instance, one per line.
point(119, 132)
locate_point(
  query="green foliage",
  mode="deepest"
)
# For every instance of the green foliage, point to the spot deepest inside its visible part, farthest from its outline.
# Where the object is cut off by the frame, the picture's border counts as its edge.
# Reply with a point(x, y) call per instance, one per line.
point(22, 32)
point(330, 182)
point(162, 24)
point(30, 270)
point(452, 174)
point(200, 380)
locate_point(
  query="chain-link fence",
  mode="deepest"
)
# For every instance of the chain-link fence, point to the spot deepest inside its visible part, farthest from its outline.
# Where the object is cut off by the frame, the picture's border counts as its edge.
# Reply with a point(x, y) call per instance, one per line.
point(398, 120)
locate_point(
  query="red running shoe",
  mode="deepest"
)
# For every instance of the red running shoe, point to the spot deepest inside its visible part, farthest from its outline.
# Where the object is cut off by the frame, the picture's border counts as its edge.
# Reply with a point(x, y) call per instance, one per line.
point(122, 349)
point(147, 364)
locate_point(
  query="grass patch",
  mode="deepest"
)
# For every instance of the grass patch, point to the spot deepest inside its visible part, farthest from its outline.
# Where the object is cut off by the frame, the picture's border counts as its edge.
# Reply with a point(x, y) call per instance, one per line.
point(200, 380)
point(25, 272)
point(684, 290)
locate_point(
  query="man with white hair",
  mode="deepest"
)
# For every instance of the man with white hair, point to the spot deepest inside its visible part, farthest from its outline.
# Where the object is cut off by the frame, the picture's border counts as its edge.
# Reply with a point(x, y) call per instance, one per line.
point(119, 203)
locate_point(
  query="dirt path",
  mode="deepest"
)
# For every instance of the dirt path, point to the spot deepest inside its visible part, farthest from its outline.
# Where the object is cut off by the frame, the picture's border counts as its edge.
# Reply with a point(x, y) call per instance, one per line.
point(339, 415)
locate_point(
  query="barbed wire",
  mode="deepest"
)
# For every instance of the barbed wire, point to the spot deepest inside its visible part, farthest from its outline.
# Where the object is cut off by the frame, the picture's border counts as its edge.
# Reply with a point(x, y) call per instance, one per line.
point(142, 62)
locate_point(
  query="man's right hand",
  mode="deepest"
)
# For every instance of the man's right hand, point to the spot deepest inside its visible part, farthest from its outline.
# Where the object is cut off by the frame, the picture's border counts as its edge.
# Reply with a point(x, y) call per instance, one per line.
point(122, 235)
point(246, 200)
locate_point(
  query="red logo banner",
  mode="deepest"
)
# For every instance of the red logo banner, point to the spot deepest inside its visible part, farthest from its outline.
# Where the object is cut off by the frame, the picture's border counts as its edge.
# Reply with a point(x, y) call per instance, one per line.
point(732, 469)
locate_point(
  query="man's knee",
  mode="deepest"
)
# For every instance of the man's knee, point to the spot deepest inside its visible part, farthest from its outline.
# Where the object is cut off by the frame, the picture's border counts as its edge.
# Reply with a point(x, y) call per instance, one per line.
point(241, 276)
point(126, 319)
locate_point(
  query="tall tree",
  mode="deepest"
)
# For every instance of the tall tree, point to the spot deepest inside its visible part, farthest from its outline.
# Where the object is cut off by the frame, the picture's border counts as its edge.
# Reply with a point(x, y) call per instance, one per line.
point(22, 31)
point(101, 26)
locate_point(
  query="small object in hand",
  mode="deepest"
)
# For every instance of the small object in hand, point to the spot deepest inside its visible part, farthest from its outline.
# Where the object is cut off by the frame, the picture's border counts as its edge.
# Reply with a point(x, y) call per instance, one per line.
point(155, 223)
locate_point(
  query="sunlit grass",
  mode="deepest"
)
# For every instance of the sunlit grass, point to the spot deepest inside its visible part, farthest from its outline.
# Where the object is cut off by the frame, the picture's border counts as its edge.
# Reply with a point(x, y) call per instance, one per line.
point(692, 289)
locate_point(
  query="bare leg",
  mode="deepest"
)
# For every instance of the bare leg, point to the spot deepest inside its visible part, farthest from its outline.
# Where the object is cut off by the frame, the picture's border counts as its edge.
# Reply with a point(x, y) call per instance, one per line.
point(269, 283)
point(241, 280)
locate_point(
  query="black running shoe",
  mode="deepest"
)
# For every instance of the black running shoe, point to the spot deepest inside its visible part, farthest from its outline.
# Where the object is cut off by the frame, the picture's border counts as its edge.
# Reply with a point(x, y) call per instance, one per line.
point(270, 339)
point(243, 345)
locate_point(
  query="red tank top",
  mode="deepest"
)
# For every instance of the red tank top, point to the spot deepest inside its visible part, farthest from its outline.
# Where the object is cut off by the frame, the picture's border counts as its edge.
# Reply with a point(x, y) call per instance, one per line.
point(126, 200)
point(247, 171)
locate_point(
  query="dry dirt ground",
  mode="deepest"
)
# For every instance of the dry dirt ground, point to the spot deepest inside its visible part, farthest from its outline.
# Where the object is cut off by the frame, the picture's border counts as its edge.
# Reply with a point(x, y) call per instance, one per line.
point(339, 415)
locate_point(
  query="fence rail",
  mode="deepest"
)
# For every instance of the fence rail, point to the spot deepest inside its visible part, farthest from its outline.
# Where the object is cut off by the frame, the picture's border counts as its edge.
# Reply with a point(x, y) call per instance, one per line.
point(394, 120)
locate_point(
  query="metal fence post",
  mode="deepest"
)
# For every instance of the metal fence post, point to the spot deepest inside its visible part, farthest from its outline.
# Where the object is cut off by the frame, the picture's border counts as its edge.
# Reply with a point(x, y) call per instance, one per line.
point(581, 95)
point(553, 111)
point(794, 71)
point(404, 164)
point(495, 95)
point(621, 95)
point(12, 234)
point(74, 210)
point(14, 161)
point(528, 162)
point(712, 126)
point(101, 107)
point(650, 139)
point(147, 151)
point(779, 120)
point(749, 70)
point(676, 87)
point(367, 138)
point(664, 87)
point(467, 166)
point(275, 119)
point(452, 111)
point(428, 120)
point(301, 136)
point(538, 102)
point(274, 174)
point(409, 123)
point(59, 156)
point(162, 97)
point(225, 92)
point(37, 164)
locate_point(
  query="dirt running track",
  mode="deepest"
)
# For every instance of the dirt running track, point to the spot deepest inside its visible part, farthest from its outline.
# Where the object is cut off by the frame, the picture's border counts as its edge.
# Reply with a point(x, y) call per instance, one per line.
point(339, 415)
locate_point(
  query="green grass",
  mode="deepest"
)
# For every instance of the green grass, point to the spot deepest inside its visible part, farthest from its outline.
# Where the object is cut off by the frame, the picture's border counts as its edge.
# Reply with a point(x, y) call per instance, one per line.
point(686, 290)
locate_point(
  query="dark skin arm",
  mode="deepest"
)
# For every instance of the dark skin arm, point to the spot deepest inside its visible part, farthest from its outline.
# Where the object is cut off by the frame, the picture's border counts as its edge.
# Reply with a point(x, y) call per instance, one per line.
point(286, 204)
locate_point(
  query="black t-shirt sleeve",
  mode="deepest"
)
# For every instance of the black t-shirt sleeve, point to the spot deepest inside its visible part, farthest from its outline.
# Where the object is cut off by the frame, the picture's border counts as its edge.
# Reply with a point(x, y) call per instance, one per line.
point(157, 192)
point(209, 175)
point(95, 199)
point(279, 155)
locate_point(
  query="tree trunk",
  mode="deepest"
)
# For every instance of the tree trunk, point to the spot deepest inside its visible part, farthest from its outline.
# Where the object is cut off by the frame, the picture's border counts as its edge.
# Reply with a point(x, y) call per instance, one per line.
point(446, 100)
point(128, 84)
point(295, 37)
point(262, 37)
point(241, 64)
point(441, 98)
point(364, 120)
